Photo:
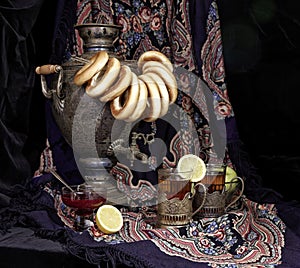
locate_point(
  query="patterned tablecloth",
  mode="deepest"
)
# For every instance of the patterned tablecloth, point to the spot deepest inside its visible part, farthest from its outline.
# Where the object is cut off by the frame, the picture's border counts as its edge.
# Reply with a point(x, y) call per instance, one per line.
point(250, 235)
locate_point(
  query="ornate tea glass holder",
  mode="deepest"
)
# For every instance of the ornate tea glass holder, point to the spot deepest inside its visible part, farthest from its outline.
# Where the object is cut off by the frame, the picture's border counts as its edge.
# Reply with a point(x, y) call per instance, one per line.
point(175, 196)
point(218, 198)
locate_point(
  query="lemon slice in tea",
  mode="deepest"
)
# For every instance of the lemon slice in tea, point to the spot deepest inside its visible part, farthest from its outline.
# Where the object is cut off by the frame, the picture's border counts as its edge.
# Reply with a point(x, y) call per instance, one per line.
point(109, 219)
point(194, 163)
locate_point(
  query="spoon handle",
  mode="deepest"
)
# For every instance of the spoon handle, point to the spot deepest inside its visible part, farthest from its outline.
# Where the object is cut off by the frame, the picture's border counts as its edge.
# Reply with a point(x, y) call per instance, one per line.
point(54, 173)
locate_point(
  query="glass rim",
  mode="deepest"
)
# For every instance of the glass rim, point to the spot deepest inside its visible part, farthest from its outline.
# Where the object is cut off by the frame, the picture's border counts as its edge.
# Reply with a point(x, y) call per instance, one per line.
point(173, 170)
point(172, 173)
point(216, 164)
point(78, 187)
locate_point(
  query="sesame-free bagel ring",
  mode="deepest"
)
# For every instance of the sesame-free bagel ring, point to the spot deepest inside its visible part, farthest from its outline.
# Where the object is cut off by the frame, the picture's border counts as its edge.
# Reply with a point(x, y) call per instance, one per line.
point(154, 56)
point(167, 76)
point(124, 105)
point(97, 86)
point(96, 64)
point(119, 86)
point(153, 108)
point(163, 91)
point(141, 103)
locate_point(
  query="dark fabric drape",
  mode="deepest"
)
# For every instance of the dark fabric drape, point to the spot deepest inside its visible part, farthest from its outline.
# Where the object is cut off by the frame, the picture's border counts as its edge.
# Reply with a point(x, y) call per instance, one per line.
point(198, 11)
point(63, 36)
point(62, 45)
point(236, 148)
point(17, 19)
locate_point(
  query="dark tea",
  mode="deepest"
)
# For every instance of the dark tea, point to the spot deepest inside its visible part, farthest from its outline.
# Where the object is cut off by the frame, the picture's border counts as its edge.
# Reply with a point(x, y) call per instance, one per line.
point(214, 178)
point(173, 184)
point(175, 188)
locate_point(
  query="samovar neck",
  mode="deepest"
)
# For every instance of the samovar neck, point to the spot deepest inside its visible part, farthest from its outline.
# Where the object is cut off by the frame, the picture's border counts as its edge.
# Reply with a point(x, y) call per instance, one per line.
point(97, 36)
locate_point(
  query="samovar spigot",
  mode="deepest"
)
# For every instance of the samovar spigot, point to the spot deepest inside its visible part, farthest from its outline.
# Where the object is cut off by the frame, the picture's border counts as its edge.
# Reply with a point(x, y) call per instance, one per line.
point(135, 151)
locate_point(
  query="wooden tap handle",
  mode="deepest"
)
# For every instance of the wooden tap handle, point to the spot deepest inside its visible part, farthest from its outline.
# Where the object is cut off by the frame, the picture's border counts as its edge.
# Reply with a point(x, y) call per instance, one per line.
point(47, 69)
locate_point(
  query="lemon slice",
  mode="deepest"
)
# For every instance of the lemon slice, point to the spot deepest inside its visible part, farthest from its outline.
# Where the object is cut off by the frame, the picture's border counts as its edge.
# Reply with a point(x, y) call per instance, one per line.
point(194, 163)
point(109, 219)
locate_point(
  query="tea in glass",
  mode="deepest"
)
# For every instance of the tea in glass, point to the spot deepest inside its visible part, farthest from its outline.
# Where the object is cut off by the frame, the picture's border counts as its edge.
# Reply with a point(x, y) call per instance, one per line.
point(214, 178)
point(173, 184)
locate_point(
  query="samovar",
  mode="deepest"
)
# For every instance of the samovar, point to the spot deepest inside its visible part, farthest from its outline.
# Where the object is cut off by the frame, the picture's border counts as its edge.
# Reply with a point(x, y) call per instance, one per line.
point(86, 123)
point(66, 95)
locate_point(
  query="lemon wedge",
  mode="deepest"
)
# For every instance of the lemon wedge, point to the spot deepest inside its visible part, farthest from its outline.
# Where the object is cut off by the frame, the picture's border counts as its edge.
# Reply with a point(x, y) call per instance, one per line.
point(194, 163)
point(109, 219)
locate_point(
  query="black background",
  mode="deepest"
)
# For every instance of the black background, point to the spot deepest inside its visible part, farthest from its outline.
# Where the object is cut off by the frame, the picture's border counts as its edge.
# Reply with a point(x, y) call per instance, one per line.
point(261, 40)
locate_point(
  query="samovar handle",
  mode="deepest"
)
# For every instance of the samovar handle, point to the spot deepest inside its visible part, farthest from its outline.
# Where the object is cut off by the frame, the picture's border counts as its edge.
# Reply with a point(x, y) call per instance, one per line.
point(46, 70)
